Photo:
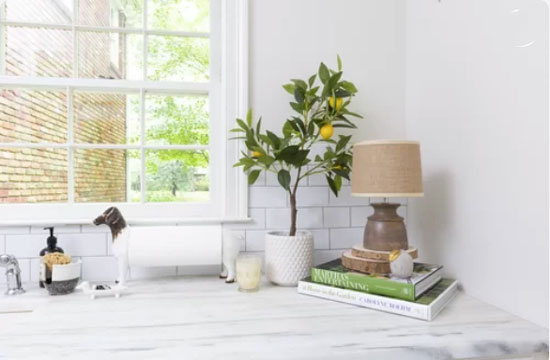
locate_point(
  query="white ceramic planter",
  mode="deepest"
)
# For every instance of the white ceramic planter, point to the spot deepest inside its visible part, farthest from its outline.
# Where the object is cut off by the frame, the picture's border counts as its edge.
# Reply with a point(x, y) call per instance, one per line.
point(288, 259)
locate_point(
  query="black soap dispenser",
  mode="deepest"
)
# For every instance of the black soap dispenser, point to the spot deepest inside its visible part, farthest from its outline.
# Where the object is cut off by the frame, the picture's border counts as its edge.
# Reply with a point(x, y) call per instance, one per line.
point(51, 248)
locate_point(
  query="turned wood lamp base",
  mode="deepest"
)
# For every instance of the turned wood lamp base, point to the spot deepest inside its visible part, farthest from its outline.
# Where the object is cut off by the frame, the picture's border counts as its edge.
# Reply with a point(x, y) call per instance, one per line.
point(385, 231)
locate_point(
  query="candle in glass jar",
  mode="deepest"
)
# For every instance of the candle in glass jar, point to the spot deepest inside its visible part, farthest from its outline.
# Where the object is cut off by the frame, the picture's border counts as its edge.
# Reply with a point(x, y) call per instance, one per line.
point(249, 272)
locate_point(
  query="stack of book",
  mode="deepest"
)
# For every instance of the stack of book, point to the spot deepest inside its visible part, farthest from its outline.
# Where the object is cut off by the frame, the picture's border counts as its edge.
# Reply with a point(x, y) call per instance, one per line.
point(422, 296)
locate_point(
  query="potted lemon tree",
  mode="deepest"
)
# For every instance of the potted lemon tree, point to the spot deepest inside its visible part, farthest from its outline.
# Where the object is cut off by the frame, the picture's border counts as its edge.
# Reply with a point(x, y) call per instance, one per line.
point(321, 105)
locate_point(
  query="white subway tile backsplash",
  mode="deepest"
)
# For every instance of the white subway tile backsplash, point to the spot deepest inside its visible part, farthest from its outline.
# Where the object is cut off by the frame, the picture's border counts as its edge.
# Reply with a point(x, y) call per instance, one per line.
point(345, 199)
point(83, 244)
point(345, 238)
point(258, 220)
point(26, 246)
point(58, 229)
point(321, 239)
point(312, 196)
point(267, 197)
point(101, 268)
point(255, 240)
point(14, 229)
point(336, 217)
point(317, 180)
point(307, 218)
point(94, 229)
point(359, 215)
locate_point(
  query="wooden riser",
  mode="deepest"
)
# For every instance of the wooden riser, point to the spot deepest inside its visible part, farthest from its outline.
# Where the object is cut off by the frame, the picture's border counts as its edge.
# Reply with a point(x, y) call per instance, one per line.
point(369, 266)
point(361, 252)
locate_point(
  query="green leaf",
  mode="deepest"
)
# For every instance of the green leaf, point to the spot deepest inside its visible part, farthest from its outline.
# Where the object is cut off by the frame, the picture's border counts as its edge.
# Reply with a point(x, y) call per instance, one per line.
point(236, 130)
point(332, 185)
point(284, 179)
point(338, 183)
point(334, 79)
point(292, 155)
point(297, 107)
point(324, 74)
point(311, 80)
point(299, 95)
point(242, 124)
point(259, 125)
point(289, 88)
point(339, 61)
point(348, 86)
point(288, 128)
point(253, 176)
point(249, 117)
point(275, 141)
point(342, 142)
point(300, 83)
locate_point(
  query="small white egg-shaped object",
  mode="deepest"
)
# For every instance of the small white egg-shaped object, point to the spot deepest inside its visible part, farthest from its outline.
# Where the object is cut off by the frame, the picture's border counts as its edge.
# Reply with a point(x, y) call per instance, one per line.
point(401, 264)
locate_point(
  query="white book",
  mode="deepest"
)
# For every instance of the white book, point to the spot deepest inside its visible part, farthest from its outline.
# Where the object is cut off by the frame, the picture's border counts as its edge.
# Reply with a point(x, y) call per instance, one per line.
point(426, 307)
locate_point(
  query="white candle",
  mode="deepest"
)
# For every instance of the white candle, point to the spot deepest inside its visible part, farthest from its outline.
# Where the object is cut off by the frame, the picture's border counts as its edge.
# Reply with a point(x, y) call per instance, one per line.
point(249, 272)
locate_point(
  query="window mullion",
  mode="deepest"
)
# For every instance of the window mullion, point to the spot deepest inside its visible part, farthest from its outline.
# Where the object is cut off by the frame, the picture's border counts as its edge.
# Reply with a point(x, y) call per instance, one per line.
point(145, 40)
point(70, 142)
point(142, 144)
point(75, 39)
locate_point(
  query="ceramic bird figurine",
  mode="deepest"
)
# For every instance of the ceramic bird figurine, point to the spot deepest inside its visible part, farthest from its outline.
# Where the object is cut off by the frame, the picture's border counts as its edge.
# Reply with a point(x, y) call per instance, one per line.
point(401, 264)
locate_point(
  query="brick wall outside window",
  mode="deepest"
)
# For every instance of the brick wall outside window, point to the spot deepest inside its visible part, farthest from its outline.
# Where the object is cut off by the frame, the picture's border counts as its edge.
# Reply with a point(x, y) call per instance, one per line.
point(40, 175)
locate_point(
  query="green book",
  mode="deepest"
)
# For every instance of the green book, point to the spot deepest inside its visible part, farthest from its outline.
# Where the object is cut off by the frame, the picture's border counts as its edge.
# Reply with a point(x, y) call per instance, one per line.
point(333, 273)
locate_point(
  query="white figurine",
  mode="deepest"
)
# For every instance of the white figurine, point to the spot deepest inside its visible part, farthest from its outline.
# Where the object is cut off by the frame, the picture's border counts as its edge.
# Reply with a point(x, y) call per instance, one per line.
point(231, 246)
point(121, 235)
point(401, 264)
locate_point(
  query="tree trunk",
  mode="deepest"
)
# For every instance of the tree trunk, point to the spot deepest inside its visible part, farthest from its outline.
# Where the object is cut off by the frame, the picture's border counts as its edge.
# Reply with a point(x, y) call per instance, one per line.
point(293, 212)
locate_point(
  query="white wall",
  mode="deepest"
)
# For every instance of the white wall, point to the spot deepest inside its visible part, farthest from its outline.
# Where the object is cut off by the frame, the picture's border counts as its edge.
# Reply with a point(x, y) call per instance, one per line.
point(478, 102)
point(289, 38)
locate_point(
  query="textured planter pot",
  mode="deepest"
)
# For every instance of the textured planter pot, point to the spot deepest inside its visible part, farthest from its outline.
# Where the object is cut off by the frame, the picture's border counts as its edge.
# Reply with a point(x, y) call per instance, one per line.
point(288, 259)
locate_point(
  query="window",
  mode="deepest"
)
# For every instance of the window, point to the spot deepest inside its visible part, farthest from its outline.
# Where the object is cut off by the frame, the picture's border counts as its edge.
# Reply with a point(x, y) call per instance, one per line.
point(120, 101)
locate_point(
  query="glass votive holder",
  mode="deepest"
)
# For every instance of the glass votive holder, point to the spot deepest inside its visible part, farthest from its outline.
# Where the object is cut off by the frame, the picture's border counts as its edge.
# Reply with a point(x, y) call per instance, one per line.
point(249, 272)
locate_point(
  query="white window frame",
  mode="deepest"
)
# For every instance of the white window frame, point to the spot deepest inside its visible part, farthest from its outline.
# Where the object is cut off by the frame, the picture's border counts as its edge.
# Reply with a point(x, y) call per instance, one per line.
point(228, 99)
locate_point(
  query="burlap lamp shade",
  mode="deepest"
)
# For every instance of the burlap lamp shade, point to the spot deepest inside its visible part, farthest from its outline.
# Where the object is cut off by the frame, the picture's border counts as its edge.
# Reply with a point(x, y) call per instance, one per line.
point(382, 169)
point(387, 168)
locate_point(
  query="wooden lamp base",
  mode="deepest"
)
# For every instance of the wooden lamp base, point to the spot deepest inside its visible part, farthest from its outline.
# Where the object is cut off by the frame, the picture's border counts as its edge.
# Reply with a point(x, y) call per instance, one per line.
point(385, 230)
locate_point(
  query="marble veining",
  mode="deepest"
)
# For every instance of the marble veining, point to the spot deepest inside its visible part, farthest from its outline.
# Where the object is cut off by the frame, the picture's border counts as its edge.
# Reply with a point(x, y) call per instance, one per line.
point(204, 318)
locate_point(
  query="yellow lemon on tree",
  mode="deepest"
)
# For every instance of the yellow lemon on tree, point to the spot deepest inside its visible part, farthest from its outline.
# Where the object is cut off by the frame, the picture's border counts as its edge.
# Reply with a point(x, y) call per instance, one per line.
point(339, 102)
point(256, 154)
point(327, 131)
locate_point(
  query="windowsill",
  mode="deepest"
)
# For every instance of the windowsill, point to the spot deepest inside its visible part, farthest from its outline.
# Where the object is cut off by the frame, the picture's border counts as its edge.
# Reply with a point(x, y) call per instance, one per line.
point(130, 221)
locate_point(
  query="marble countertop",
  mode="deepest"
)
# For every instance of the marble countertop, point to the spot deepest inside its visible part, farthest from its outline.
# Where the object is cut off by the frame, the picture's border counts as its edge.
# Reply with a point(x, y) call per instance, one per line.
point(204, 318)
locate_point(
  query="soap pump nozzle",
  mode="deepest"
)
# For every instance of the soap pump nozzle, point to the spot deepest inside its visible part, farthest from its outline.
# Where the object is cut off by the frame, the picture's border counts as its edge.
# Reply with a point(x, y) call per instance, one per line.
point(52, 240)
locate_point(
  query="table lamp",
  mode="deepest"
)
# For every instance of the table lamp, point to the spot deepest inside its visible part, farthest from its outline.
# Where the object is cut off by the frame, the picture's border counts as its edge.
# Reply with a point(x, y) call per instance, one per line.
point(384, 169)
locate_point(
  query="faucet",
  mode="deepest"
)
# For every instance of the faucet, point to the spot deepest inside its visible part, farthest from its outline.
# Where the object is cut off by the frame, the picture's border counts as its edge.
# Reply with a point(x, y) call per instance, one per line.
point(13, 274)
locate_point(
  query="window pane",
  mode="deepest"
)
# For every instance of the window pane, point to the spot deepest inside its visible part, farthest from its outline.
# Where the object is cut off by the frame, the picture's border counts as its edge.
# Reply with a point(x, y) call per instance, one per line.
point(176, 120)
point(110, 55)
point(33, 175)
point(33, 116)
point(38, 52)
point(179, 15)
point(106, 175)
point(43, 11)
point(106, 118)
point(178, 58)
point(177, 175)
point(111, 13)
